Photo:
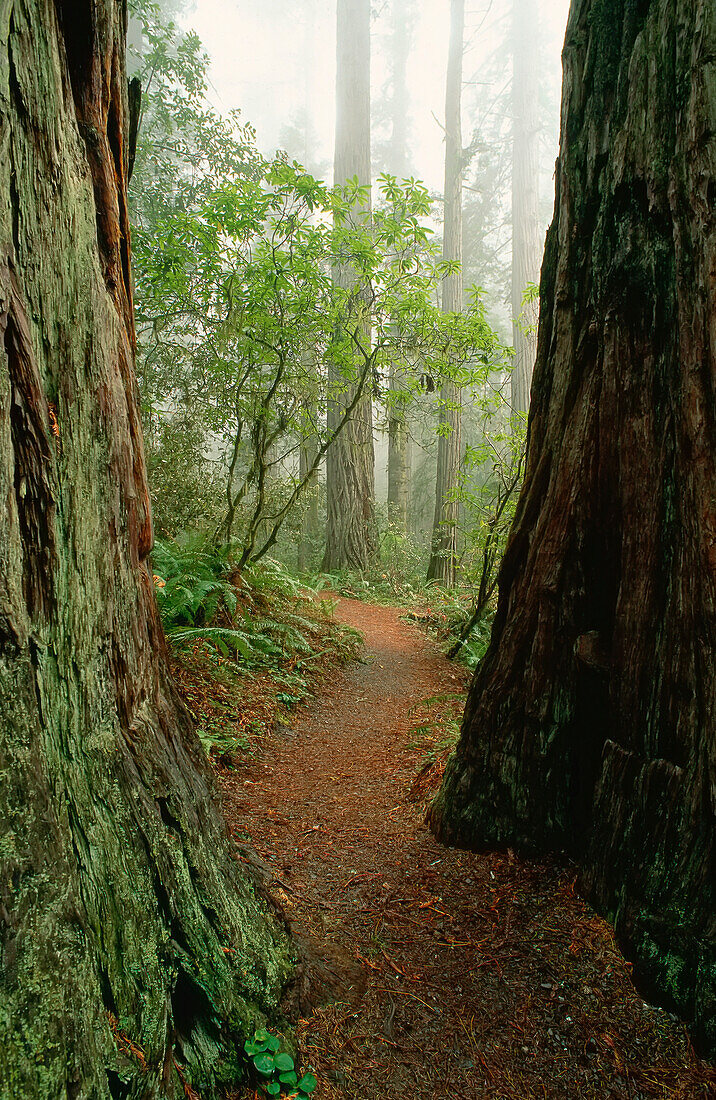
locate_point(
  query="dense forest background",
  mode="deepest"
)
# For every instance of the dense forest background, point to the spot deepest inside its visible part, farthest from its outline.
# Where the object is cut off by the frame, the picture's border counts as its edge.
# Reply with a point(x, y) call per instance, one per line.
point(286, 419)
point(239, 405)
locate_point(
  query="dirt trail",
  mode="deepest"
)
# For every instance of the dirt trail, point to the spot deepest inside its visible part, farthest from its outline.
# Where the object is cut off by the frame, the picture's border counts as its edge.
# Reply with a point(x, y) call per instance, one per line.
point(462, 975)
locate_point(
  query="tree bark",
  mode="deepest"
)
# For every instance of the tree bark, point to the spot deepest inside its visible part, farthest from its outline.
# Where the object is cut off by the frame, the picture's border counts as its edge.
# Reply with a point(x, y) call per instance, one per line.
point(443, 555)
point(131, 942)
point(526, 244)
point(399, 454)
point(308, 452)
point(591, 722)
point(399, 449)
point(350, 463)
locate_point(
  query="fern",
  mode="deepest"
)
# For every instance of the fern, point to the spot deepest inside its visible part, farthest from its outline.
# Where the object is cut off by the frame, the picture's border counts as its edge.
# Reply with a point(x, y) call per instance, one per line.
point(292, 638)
point(193, 588)
point(299, 622)
point(191, 584)
point(225, 639)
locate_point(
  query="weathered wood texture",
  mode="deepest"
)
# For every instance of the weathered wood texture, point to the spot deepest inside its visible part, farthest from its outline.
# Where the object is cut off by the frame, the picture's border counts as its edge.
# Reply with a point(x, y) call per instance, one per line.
point(350, 461)
point(400, 452)
point(122, 908)
point(591, 723)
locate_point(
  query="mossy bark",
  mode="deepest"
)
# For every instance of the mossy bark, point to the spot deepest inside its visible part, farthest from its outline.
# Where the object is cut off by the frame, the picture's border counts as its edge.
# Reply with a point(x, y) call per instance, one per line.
point(130, 940)
point(591, 723)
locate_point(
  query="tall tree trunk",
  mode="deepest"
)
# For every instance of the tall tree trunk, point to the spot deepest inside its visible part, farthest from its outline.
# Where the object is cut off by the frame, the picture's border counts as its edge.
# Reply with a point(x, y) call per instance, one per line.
point(526, 245)
point(309, 439)
point(350, 534)
point(307, 456)
point(399, 449)
point(130, 940)
point(399, 453)
point(591, 722)
point(443, 557)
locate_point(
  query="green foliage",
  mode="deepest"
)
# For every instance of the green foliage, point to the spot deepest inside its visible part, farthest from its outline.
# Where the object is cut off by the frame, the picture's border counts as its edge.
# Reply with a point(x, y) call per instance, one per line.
point(238, 313)
point(259, 623)
point(250, 616)
point(191, 584)
point(488, 490)
point(452, 613)
point(396, 576)
point(440, 729)
point(276, 1070)
point(187, 482)
point(474, 647)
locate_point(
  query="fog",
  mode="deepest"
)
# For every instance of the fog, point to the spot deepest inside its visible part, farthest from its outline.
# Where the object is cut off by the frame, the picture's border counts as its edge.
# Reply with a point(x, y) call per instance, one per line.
point(270, 57)
point(275, 63)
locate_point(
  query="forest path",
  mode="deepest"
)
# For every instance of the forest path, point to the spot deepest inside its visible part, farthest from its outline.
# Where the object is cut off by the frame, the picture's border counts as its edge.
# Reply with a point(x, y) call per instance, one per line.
point(460, 974)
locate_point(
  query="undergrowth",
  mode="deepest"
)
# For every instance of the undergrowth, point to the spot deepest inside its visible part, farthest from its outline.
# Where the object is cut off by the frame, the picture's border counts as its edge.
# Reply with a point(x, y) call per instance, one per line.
point(276, 1070)
point(444, 612)
point(248, 644)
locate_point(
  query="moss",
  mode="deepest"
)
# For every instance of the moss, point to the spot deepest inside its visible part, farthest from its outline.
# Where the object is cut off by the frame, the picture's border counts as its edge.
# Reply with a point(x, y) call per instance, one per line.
point(118, 885)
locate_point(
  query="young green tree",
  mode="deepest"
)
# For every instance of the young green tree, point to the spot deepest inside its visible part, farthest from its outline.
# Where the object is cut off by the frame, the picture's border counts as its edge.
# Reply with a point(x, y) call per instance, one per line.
point(185, 153)
point(240, 316)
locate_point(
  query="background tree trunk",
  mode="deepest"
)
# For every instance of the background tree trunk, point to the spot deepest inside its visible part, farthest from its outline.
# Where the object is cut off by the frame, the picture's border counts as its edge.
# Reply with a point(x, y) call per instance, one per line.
point(123, 911)
point(308, 446)
point(443, 555)
point(399, 448)
point(526, 243)
point(591, 722)
point(399, 454)
point(308, 451)
point(350, 532)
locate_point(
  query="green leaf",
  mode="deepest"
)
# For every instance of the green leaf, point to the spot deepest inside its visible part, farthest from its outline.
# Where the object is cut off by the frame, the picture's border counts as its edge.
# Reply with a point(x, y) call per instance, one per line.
point(307, 1083)
point(284, 1062)
point(273, 1088)
point(273, 1043)
point(288, 1078)
point(264, 1063)
point(252, 1047)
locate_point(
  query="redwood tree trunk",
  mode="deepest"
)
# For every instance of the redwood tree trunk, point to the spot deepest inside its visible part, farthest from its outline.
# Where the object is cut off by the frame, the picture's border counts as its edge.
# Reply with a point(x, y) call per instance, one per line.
point(526, 245)
point(443, 555)
point(399, 444)
point(591, 723)
point(308, 451)
point(350, 478)
point(399, 453)
point(130, 940)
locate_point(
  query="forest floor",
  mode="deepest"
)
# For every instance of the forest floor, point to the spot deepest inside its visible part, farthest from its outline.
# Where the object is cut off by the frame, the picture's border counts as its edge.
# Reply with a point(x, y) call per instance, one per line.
point(456, 974)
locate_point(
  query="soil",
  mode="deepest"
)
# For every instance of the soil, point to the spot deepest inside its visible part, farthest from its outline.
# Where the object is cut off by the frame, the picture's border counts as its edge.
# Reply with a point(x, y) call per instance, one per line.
point(446, 973)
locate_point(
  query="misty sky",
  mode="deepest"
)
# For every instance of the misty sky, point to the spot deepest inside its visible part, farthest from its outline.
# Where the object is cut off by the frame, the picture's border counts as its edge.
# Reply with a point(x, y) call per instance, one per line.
point(259, 50)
